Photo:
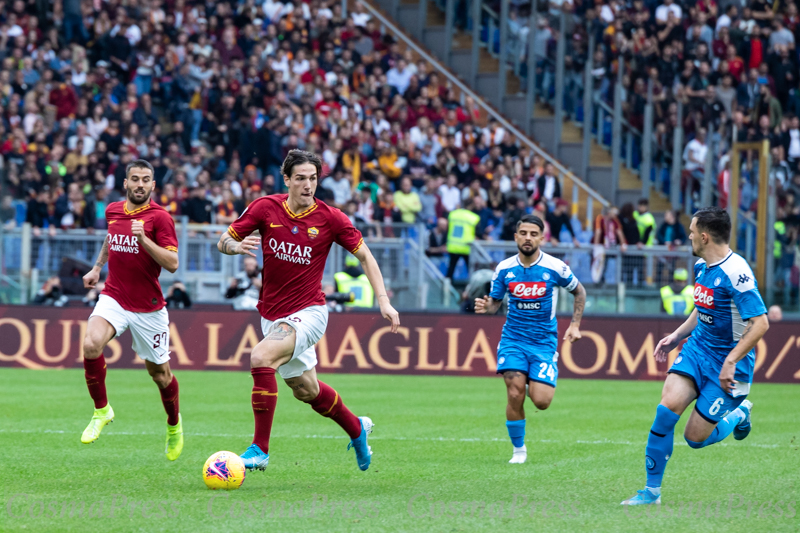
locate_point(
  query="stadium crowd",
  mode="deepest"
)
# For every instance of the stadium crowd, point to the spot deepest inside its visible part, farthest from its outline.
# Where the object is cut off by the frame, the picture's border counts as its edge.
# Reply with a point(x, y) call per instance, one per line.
point(733, 64)
point(215, 94)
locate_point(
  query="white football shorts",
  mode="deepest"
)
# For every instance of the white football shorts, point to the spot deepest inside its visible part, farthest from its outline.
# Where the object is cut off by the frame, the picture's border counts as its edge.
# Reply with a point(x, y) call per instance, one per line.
point(150, 331)
point(309, 325)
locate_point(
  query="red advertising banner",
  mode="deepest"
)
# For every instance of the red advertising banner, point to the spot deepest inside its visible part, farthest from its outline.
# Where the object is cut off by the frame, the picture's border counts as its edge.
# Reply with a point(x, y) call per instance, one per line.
point(433, 344)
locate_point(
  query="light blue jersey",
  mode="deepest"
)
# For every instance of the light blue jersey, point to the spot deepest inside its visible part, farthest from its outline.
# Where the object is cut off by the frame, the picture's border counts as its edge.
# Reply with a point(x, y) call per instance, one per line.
point(725, 296)
point(532, 298)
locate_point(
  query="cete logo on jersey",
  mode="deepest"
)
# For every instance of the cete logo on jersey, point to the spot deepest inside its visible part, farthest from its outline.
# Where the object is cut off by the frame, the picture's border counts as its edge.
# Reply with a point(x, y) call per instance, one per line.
point(703, 297)
point(528, 290)
point(313, 233)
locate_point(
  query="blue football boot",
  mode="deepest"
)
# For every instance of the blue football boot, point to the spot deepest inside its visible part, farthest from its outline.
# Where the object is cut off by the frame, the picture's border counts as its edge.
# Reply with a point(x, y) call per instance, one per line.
point(363, 451)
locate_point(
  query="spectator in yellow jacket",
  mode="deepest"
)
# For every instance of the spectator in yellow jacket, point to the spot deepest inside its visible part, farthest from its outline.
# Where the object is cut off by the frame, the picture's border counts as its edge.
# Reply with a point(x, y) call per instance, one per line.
point(407, 201)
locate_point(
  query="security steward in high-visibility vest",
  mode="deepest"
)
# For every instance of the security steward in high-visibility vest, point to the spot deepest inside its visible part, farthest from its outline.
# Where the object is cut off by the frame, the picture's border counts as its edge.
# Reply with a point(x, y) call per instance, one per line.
point(460, 235)
point(645, 222)
point(677, 298)
point(353, 280)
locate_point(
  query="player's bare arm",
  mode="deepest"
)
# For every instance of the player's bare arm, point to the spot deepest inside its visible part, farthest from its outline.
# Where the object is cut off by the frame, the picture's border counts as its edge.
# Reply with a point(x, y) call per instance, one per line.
point(671, 341)
point(755, 329)
point(230, 246)
point(93, 276)
point(373, 272)
point(573, 332)
point(167, 259)
point(487, 305)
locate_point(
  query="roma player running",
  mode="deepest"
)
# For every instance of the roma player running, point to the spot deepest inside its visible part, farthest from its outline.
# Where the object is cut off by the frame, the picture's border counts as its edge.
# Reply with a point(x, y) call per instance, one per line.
point(297, 232)
point(141, 241)
point(715, 366)
point(527, 352)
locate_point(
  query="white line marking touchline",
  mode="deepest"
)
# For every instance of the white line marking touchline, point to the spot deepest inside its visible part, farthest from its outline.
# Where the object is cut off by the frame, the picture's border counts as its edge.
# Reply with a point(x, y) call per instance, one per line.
point(378, 437)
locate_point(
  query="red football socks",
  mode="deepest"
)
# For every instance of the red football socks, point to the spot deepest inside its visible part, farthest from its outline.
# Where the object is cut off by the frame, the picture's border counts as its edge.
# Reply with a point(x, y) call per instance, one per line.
point(169, 397)
point(95, 372)
point(264, 399)
point(329, 404)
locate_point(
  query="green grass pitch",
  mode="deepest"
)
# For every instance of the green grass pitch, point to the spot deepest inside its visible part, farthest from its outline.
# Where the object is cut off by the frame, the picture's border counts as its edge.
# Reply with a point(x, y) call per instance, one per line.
point(440, 460)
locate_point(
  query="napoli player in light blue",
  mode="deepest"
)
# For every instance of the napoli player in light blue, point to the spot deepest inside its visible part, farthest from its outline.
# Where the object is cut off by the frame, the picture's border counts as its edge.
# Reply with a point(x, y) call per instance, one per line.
point(527, 352)
point(715, 366)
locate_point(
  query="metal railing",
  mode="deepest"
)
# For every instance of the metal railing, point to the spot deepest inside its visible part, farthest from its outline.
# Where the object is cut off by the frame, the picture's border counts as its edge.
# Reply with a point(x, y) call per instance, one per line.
point(648, 267)
point(581, 188)
point(30, 259)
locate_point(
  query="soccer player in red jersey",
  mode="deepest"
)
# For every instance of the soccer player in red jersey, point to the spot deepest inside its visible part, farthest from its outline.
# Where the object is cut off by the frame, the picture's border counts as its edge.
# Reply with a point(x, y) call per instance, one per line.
point(141, 241)
point(297, 232)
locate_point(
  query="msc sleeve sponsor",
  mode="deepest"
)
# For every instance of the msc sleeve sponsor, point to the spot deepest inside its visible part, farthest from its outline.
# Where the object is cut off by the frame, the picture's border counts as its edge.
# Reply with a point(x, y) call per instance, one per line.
point(572, 285)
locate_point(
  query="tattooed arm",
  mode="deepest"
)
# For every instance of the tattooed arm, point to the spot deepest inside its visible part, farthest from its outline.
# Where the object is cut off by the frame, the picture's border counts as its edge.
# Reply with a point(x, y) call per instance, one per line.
point(230, 246)
point(755, 329)
point(102, 259)
point(91, 279)
point(573, 332)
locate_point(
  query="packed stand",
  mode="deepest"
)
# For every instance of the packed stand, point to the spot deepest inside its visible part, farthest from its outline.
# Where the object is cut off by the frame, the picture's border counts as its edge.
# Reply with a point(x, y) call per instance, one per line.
point(215, 94)
point(735, 67)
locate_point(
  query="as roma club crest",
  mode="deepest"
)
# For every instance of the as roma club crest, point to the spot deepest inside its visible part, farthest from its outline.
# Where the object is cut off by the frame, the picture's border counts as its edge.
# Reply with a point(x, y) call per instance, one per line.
point(312, 233)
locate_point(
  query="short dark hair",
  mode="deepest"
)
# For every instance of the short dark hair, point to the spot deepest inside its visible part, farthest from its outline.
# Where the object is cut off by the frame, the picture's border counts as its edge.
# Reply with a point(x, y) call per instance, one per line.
point(716, 222)
point(530, 219)
point(139, 163)
point(644, 201)
point(300, 157)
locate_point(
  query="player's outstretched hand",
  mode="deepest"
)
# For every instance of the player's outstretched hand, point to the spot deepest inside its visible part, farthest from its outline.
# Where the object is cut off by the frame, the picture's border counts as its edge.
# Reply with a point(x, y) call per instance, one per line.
point(665, 345)
point(247, 245)
point(573, 333)
point(390, 313)
point(91, 279)
point(481, 305)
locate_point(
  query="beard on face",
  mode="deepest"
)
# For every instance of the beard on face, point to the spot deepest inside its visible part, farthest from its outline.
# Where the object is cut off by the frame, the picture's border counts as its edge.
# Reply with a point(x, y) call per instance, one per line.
point(132, 198)
point(527, 252)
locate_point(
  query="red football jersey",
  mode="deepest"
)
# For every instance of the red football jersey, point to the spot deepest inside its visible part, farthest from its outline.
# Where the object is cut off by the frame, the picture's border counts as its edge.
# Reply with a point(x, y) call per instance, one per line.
point(295, 247)
point(132, 272)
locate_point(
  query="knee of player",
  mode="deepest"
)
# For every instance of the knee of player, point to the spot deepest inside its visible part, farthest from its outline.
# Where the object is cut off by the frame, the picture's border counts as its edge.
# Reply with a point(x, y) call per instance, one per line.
point(692, 443)
point(161, 378)
point(516, 395)
point(541, 404)
point(92, 348)
point(265, 357)
point(304, 390)
point(305, 395)
point(260, 358)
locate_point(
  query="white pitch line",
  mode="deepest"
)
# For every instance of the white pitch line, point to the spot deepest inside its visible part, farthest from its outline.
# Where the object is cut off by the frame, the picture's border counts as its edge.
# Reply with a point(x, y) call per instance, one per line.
point(416, 439)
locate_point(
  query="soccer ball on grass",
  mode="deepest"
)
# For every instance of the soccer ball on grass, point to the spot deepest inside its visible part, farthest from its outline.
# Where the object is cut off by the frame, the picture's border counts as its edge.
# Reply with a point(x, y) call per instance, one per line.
point(224, 470)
